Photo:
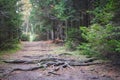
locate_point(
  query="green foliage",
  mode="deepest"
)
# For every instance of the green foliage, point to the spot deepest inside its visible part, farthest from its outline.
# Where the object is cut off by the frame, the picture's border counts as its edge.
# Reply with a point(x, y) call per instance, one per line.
point(74, 38)
point(70, 45)
point(103, 11)
point(85, 49)
point(39, 17)
point(117, 47)
point(102, 17)
point(10, 22)
point(114, 46)
point(10, 50)
point(63, 11)
point(102, 37)
point(7, 45)
point(97, 41)
point(96, 32)
point(48, 15)
point(25, 37)
point(74, 34)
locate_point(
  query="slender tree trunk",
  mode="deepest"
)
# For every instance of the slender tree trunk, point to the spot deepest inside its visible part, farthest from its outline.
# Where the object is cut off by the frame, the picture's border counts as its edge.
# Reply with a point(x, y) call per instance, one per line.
point(52, 35)
point(54, 30)
point(47, 34)
point(27, 26)
point(66, 25)
point(71, 23)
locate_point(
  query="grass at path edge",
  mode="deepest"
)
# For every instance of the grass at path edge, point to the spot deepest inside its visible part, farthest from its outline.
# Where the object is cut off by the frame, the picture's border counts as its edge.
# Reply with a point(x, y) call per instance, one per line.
point(12, 50)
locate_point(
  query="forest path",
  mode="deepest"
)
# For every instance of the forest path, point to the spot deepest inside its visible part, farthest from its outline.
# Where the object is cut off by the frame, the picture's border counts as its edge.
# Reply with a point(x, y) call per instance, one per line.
point(32, 50)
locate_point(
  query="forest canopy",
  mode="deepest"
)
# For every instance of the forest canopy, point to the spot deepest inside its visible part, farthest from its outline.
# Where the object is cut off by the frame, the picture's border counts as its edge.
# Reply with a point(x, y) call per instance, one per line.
point(91, 26)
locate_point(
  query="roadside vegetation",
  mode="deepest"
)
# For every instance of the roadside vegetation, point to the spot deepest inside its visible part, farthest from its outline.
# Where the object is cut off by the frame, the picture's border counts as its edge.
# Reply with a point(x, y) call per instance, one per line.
point(91, 26)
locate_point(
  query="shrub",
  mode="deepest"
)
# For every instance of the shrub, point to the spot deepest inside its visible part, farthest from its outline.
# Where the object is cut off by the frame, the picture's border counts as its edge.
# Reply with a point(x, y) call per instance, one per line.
point(85, 49)
point(74, 38)
point(69, 45)
point(25, 37)
point(98, 39)
point(9, 44)
point(118, 46)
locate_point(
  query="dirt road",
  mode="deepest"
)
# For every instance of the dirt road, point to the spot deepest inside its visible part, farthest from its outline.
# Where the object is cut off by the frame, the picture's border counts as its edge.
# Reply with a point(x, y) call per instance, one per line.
point(33, 49)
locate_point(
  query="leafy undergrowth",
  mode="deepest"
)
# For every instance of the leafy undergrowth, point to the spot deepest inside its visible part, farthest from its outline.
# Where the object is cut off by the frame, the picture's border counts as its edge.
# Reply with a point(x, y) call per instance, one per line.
point(77, 53)
point(11, 51)
point(65, 51)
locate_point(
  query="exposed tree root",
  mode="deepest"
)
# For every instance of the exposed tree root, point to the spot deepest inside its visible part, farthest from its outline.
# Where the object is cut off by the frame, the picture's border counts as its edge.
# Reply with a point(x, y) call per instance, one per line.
point(45, 61)
point(27, 69)
point(14, 61)
point(56, 61)
point(53, 73)
point(62, 54)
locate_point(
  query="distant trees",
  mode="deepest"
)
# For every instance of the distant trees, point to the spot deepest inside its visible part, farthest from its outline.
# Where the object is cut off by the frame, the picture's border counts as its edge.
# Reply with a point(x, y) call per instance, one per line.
point(64, 19)
point(10, 21)
point(55, 17)
point(89, 25)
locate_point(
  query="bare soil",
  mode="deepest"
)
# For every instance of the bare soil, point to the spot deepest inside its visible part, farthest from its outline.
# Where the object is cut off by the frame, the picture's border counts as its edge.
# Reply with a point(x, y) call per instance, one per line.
point(92, 72)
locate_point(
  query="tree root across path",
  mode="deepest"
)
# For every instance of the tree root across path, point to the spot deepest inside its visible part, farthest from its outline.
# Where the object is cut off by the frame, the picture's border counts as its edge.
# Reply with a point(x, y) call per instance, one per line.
point(44, 61)
point(54, 61)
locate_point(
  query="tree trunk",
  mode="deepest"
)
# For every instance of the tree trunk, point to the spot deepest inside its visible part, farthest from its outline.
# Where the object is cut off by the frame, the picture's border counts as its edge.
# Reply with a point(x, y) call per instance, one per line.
point(66, 25)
